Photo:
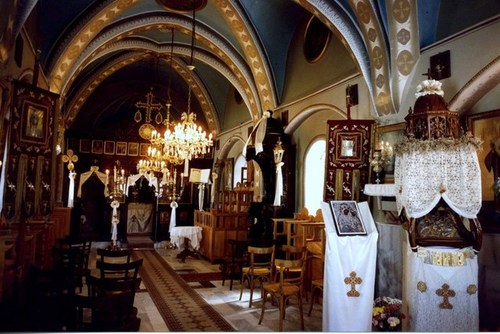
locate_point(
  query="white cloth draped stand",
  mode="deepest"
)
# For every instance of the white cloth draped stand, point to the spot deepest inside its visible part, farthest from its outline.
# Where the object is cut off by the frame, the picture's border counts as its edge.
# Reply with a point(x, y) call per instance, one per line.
point(424, 280)
point(345, 255)
point(180, 233)
point(422, 178)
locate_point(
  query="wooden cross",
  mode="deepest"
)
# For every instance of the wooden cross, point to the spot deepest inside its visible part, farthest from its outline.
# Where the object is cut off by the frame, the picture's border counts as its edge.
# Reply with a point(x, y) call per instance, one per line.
point(70, 158)
point(149, 106)
point(446, 293)
point(428, 74)
point(352, 280)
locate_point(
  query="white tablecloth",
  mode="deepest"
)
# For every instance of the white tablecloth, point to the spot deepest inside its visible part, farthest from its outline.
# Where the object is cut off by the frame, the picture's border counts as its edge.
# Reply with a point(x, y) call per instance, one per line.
point(193, 233)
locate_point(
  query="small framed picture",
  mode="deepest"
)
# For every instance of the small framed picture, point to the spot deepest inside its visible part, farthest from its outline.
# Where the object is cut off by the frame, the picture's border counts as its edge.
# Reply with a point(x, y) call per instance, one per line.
point(97, 146)
point(143, 149)
point(133, 149)
point(121, 148)
point(85, 145)
point(109, 147)
point(347, 218)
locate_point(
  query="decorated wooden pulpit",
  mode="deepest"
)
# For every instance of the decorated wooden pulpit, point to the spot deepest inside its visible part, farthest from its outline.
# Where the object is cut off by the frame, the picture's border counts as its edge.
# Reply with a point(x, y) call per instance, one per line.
point(438, 189)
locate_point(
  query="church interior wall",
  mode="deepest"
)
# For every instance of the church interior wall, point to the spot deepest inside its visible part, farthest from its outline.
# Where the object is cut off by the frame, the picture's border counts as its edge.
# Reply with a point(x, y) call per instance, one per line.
point(468, 57)
point(304, 78)
point(236, 111)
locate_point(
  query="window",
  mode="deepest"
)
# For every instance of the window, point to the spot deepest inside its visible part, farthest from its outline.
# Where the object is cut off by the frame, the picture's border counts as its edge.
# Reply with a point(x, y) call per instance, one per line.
point(314, 175)
point(238, 165)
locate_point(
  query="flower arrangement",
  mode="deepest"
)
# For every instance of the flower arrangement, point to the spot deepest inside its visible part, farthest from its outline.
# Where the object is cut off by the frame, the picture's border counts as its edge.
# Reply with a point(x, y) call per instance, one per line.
point(387, 314)
point(429, 87)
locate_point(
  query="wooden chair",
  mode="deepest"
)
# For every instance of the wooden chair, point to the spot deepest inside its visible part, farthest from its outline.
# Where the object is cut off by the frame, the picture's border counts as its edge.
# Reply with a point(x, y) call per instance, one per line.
point(114, 255)
point(260, 268)
point(289, 284)
point(290, 253)
point(109, 306)
point(71, 265)
point(74, 252)
point(119, 271)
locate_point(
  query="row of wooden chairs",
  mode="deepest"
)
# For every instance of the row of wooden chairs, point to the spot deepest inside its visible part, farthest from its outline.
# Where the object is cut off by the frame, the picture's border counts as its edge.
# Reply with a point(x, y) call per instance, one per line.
point(280, 275)
point(56, 300)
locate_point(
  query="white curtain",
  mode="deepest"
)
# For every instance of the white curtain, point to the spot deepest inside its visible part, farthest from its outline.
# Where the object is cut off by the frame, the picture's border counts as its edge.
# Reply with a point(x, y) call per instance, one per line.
point(423, 178)
point(85, 176)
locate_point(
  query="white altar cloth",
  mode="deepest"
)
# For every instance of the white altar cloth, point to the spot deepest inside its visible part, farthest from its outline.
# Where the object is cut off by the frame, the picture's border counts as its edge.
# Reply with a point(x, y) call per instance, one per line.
point(345, 255)
point(192, 233)
point(457, 268)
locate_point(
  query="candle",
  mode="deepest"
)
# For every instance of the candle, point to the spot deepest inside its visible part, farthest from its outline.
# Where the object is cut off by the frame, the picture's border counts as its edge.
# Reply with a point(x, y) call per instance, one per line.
point(114, 175)
point(107, 176)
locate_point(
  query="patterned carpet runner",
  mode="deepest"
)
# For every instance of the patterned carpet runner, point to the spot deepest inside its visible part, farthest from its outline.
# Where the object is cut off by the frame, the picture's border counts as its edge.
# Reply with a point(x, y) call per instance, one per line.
point(181, 307)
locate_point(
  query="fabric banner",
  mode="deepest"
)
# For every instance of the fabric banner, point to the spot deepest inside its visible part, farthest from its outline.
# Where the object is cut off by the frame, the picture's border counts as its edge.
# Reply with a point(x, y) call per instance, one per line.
point(139, 218)
point(349, 279)
point(441, 295)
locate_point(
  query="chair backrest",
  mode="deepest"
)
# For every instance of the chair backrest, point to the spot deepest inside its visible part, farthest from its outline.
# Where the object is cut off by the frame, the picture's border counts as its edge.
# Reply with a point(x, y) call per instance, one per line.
point(114, 255)
point(291, 253)
point(83, 246)
point(119, 271)
point(106, 286)
point(107, 314)
point(291, 271)
point(261, 257)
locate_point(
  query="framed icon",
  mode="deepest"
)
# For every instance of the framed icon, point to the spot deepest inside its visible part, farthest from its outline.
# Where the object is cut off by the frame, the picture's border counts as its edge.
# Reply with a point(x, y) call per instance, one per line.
point(347, 218)
point(97, 146)
point(85, 145)
point(133, 149)
point(121, 148)
point(109, 147)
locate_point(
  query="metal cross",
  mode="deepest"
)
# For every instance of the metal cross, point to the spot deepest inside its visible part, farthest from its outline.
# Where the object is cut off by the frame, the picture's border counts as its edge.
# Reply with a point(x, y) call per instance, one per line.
point(352, 280)
point(446, 293)
point(70, 158)
point(149, 106)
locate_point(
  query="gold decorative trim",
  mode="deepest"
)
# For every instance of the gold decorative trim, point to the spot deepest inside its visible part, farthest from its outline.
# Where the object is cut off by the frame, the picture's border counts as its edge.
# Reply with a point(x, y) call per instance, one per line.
point(421, 286)
point(472, 289)
point(352, 280)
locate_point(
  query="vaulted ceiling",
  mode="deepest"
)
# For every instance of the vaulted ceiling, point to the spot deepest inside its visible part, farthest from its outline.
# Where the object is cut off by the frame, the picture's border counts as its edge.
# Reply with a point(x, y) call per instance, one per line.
point(104, 56)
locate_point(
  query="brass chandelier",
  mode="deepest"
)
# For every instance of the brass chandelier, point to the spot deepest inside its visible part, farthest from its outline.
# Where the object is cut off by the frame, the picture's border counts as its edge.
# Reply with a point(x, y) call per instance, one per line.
point(180, 142)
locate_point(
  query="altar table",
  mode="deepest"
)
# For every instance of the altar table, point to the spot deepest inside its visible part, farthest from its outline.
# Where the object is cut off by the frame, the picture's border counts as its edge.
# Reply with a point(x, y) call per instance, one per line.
point(184, 238)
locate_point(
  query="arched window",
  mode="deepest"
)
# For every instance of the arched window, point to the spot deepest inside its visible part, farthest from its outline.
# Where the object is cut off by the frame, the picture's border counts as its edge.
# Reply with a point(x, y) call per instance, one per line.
point(314, 175)
point(239, 164)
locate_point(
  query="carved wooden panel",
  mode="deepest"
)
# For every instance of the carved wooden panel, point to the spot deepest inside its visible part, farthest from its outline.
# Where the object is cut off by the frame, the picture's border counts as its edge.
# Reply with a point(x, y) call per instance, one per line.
point(348, 159)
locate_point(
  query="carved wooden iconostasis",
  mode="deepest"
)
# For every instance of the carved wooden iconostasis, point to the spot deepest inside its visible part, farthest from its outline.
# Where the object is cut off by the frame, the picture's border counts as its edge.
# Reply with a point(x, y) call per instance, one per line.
point(29, 176)
point(348, 159)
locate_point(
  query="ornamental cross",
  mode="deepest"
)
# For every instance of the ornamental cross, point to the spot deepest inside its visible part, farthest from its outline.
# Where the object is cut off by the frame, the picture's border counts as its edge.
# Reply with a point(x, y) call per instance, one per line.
point(70, 158)
point(352, 280)
point(446, 293)
point(149, 106)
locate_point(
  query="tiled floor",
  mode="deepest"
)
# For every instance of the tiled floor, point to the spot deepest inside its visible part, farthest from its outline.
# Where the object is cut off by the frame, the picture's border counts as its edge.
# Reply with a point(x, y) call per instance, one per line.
point(227, 303)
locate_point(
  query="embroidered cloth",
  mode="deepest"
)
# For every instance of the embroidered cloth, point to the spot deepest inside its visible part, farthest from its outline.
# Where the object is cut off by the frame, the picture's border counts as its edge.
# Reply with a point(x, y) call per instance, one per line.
point(343, 257)
point(421, 291)
point(423, 177)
